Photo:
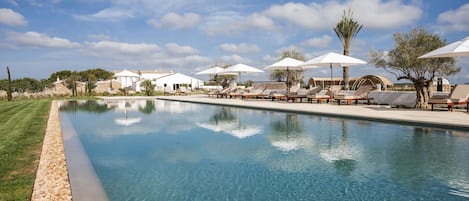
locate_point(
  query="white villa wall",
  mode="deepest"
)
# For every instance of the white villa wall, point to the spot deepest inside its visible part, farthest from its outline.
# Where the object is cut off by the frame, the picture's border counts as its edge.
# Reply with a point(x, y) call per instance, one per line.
point(127, 81)
point(170, 81)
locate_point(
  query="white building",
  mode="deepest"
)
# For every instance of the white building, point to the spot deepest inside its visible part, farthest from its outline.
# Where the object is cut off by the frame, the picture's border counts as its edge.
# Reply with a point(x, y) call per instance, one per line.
point(172, 82)
point(164, 81)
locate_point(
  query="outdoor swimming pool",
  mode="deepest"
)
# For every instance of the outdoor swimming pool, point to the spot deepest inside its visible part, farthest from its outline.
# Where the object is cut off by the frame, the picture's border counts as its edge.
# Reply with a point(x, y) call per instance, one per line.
point(166, 150)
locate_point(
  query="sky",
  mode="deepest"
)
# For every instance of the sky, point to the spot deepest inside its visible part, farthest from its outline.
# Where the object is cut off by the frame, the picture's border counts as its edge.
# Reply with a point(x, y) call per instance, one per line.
point(38, 38)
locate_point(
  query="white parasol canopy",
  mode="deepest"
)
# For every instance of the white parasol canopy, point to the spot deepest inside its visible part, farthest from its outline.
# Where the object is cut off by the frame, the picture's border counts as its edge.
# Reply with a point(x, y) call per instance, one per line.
point(455, 49)
point(233, 128)
point(211, 71)
point(333, 59)
point(287, 64)
point(241, 68)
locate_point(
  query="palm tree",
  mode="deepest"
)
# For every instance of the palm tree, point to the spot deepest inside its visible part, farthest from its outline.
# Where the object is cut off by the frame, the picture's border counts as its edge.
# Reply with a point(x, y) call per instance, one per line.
point(347, 29)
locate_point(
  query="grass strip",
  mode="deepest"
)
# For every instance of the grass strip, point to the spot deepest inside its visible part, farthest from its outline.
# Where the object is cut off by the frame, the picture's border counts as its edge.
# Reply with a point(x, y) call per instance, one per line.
point(22, 128)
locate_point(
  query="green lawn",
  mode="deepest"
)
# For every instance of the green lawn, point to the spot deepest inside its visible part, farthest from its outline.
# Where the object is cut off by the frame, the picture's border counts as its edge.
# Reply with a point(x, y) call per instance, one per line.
point(22, 129)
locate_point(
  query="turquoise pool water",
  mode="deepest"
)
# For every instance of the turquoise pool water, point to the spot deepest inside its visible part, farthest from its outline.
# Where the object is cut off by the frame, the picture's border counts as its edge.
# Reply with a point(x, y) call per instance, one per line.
point(164, 150)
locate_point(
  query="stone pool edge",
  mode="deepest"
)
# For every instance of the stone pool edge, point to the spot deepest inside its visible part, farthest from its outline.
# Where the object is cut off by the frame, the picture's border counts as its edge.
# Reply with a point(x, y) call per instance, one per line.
point(395, 116)
point(52, 181)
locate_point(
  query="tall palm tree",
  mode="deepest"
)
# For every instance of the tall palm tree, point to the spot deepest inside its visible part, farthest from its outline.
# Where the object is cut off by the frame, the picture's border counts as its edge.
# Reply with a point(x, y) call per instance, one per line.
point(347, 29)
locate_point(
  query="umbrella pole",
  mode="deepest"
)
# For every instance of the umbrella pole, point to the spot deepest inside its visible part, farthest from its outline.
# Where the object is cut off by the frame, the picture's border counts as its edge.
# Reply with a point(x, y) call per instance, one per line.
point(331, 74)
point(288, 82)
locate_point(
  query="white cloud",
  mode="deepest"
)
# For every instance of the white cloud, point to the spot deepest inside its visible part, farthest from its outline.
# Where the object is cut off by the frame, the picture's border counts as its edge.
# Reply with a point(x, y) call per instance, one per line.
point(320, 42)
point(35, 39)
point(13, 2)
point(11, 18)
point(241, 48)
point(176, 21)
point(377, 14)
point(99, 37)
point(176, 49)
point(374, 14)
point(230, 23)
point(118, 49)
point(454, 20)
point(235, 59)
point(108, 14)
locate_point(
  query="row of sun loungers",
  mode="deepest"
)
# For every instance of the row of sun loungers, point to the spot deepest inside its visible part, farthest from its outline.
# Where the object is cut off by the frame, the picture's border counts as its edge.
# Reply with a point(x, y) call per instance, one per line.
point(278, 91)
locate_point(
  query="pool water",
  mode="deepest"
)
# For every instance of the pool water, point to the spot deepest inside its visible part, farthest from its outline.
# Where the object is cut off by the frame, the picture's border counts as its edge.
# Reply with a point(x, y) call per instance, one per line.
point(165, 150)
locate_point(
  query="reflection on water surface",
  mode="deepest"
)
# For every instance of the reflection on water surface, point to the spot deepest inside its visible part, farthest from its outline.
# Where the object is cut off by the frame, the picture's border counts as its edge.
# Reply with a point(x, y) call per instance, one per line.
point(181, 151)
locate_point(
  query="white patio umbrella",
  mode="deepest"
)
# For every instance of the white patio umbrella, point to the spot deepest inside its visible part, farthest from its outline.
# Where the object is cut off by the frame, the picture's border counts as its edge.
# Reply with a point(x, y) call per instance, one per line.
point(286, 64)
point(126, 74)
point(211, 71)
point(232, 128)
point(241, 68)
point(126, 121)
point(455, 49)
point(333, 59)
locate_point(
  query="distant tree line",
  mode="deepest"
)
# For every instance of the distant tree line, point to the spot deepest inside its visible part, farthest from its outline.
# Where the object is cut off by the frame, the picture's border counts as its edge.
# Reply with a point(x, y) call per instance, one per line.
point(70, 78)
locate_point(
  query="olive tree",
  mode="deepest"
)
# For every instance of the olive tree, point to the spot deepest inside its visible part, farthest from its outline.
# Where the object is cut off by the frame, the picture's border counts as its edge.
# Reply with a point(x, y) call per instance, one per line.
point(403, 61)
point(148, 87)
point(295, 75)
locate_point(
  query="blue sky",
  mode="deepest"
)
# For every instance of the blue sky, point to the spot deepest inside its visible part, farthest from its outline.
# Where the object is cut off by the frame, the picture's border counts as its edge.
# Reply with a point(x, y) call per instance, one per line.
point(39, 38)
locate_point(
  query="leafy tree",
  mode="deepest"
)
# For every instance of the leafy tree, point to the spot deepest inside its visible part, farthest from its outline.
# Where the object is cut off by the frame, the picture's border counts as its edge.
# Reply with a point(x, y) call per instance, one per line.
point(223, 80)
point(90, 83)
point(27, 85)
point(10, 97)
point(403, 61)
point(148, 87)
point(347, 29)
point(71, 82)
point(295, 75)
point(63, 75)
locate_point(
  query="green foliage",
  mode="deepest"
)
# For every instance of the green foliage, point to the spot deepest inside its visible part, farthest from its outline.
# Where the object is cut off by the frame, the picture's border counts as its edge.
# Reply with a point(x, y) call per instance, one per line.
point(347, 29)
point(71, 82)
point(91, 106)
point(10, 97)
point(149, 88)
point(22, 129)
point(62, 75)
point(98, 73)
point(403, 61)
point(90, 83)
point(148, 108)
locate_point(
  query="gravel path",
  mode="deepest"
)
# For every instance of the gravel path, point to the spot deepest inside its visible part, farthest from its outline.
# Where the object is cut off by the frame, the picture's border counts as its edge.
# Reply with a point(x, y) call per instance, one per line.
point(52, 182)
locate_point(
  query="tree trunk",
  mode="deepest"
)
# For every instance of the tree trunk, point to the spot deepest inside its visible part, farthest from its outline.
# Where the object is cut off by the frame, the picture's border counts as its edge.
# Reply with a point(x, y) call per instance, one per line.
point(423, 94)
point(10, 97)
point(346, 70)
point(346, 77)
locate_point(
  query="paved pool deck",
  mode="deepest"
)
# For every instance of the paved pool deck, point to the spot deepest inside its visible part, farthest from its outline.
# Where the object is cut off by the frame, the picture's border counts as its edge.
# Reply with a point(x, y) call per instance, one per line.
point(459, 119)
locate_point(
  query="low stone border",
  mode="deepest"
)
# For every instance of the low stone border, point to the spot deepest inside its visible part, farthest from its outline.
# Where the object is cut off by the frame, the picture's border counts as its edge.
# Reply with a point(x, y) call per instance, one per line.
point(52, 182)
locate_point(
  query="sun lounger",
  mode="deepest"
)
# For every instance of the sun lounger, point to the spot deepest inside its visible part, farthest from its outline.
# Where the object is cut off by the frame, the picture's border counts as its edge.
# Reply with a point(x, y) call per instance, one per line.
point(254, 93)
point(458, 96)
point(326, 95)
point(360, 94)
point(239, 92)
point(302, 93)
